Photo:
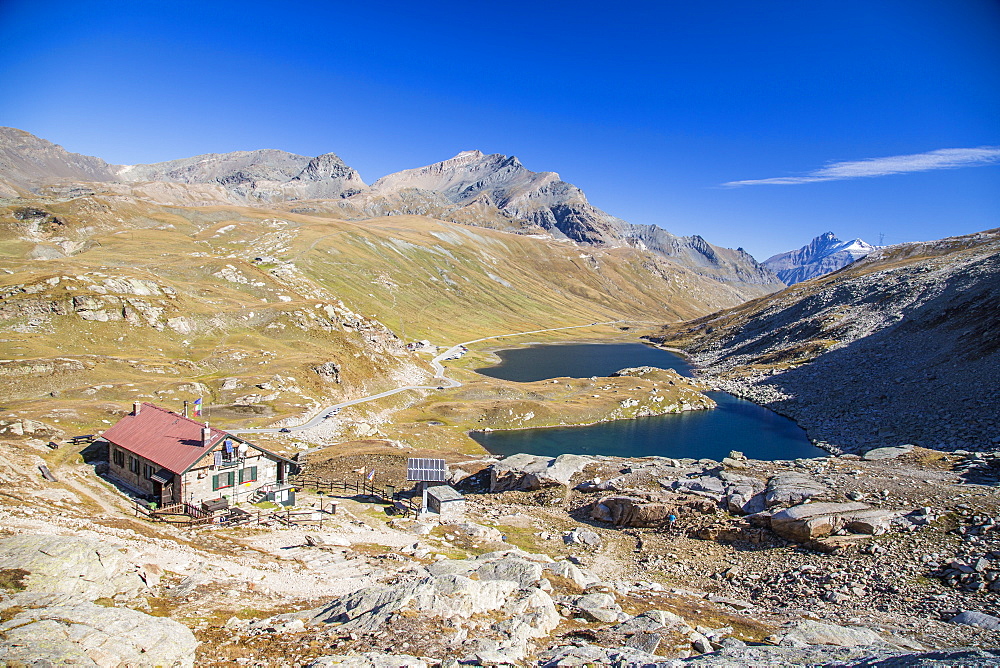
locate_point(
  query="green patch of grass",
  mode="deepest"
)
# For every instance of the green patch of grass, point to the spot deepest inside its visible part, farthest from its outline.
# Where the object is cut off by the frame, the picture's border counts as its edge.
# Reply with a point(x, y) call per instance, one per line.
point(160, 607)
point(266, 505)
point(371, 549)
point(12, 579)
point(105, 602)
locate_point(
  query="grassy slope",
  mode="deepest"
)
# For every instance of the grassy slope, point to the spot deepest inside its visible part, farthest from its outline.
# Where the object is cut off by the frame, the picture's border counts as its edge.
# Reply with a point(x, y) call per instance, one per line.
point(322, 293)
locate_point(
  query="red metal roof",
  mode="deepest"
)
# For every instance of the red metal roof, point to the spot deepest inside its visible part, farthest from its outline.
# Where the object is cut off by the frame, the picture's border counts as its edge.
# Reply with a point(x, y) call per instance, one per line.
point(163, 437)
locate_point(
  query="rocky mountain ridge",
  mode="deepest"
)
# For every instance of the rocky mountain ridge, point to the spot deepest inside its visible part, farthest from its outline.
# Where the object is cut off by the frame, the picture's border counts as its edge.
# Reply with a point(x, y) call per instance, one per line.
point(494, 191)
point(820, 256)
point(899, 347)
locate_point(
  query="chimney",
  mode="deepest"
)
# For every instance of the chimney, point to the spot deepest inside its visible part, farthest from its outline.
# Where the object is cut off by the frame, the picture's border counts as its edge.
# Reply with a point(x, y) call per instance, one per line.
point(206, 435)
point(135, 407)
point(185, 408)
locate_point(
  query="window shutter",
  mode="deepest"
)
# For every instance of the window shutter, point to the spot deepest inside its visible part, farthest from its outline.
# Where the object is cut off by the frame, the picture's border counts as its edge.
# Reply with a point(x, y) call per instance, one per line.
point(215, 483)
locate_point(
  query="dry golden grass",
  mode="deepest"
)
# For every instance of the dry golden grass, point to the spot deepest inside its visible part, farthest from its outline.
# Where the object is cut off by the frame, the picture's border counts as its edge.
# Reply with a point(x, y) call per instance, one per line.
point(421, 277)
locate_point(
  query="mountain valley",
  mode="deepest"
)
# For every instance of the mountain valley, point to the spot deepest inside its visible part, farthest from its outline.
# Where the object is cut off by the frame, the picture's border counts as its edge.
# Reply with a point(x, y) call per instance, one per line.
point(273, 286)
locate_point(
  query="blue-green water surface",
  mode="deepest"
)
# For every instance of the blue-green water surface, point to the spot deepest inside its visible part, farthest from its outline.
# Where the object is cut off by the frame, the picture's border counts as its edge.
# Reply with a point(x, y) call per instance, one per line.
point(736, 424)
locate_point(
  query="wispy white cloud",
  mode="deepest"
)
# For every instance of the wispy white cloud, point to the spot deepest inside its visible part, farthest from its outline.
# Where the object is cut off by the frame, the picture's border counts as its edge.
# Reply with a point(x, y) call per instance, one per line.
point(945, 158)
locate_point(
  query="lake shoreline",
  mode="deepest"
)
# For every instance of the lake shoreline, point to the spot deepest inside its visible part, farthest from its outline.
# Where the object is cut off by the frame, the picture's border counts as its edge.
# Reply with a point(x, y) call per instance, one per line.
point(748, 425)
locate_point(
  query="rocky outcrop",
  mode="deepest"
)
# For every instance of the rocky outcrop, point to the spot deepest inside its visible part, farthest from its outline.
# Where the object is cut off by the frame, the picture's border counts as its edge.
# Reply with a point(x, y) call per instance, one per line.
point(53, 617)
point(504, 584)
point(139, 302)
point(816, 520)
point(811, 632)
point(85, 634)
point(328, 371)
point(887, 453)
point(256, 176)
point(70, 565)
point(530, 472)
point(789, 489)
point(631, 511)
point(368, 660)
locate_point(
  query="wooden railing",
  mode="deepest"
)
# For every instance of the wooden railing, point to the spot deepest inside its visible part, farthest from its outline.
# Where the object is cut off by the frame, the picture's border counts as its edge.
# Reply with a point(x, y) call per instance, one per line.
point(196, 515)
point(401, 504)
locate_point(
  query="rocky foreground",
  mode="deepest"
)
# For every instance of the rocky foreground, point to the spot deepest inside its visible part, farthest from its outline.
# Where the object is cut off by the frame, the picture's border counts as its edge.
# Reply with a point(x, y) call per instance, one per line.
point(850, 560)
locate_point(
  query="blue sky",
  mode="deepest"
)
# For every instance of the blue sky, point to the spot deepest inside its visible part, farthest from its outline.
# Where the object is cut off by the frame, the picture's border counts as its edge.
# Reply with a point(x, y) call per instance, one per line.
point(652, 108)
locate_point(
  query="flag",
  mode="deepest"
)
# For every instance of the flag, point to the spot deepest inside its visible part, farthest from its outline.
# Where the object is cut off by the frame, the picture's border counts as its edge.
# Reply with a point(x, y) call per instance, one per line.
point(371, 476)
point(197, 407)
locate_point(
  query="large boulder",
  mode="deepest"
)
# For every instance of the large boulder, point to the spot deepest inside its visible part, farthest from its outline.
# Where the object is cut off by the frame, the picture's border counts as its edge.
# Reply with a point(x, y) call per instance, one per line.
point(973, 618)
point(581, 536)
point(653, 621)
point(744, 494)
point(631, 511)
point(596, 607)
point(531, 472)
point(790, 489)
point(70, 565)
point(891, 452)
point(524, 573)
point(815, 520)
point(706, 485)
point(565, 569)
point(85, 634)
point(369, 609)
point(810, 632)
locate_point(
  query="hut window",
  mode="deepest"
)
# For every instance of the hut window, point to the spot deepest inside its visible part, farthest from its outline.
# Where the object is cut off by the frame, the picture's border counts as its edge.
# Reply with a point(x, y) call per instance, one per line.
point(223, 480)
point(248, 474)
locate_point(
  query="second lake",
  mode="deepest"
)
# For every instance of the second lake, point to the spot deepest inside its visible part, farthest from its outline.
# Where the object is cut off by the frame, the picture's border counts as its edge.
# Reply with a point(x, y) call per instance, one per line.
point(736, 424)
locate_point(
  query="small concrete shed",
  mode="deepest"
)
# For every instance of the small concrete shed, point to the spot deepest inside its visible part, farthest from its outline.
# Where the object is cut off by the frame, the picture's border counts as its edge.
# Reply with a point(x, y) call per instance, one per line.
point(446, 502)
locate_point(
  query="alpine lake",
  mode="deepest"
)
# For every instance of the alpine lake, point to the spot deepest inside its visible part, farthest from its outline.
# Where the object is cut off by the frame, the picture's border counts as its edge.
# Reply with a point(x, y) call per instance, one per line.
point(735, 424)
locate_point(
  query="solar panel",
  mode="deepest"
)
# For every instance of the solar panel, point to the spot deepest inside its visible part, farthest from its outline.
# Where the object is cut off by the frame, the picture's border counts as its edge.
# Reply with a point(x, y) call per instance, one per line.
point(426, 470)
